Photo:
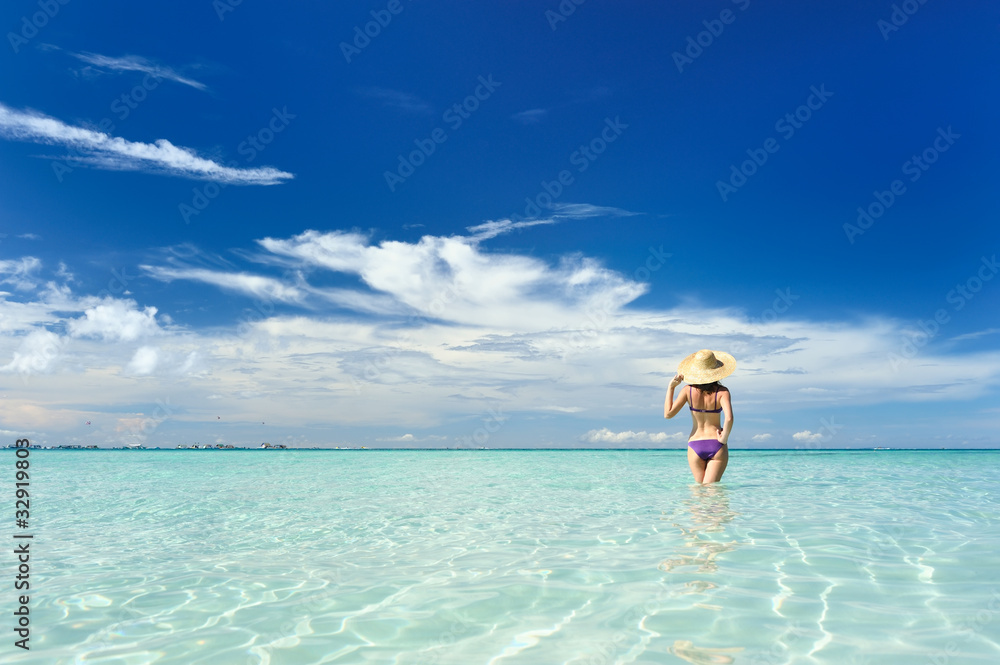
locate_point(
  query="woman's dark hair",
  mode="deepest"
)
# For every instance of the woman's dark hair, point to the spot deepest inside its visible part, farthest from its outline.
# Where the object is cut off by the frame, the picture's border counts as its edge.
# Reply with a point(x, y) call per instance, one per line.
point(708, 387)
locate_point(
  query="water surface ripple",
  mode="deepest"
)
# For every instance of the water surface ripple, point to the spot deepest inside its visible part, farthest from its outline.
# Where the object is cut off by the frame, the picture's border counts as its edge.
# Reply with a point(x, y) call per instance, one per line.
point(512, 557)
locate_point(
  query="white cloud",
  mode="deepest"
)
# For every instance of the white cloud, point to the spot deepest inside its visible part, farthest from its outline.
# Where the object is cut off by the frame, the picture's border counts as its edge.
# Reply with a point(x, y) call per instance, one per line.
point(409, 438)
point(37, 353)
point(104, 151)
point(144, 361)
point(405, 437)
point(760, 437)
point(64, 273)
point(452, 279)
point(526, 333)
point(605, 435)
point(192, 365)
point(18, 273)
point(115, 320)
point(543, 341)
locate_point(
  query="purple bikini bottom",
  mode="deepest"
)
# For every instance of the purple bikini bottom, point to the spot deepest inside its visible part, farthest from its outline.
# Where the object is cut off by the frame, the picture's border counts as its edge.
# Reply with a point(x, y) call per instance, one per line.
point(705, 448)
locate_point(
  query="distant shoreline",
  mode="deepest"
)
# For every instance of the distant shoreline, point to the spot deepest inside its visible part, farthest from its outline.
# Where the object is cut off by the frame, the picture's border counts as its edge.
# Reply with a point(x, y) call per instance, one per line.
point(359, 449)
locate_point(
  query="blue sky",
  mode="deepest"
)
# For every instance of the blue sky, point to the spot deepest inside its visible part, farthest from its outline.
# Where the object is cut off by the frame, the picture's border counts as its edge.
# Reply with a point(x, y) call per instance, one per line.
point(497, 224)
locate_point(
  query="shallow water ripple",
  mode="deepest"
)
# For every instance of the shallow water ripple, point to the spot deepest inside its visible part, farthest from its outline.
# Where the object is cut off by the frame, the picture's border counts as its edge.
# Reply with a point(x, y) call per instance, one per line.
point(510, 557)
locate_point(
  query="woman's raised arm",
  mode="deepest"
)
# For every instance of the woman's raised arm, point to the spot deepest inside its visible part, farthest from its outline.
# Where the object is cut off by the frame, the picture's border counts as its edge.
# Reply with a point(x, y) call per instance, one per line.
point(670, 407)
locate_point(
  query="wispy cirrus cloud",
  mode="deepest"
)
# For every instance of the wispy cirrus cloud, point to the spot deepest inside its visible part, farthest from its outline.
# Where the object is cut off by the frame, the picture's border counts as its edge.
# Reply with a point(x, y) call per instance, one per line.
point(273, 290)
point(974, 335)
point(558, 212)
point(397, 99)
point(536, 115)
point(135, 63)
point(127, 63)
point(257, 286)
point(493, 228)
point(103, 151)
point(531, 116)
point(587, 210)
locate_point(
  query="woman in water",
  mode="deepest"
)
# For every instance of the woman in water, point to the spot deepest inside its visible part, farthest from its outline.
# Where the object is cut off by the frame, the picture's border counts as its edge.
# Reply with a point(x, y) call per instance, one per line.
point(708, 453)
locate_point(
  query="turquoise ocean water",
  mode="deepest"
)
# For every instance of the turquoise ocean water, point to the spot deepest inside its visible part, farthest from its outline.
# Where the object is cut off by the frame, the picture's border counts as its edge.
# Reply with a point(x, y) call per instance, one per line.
point(509, 557)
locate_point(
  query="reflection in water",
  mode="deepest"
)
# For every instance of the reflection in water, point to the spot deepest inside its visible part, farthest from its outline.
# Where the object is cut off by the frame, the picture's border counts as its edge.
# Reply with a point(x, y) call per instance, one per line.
point(710, 512)
point(687, 651)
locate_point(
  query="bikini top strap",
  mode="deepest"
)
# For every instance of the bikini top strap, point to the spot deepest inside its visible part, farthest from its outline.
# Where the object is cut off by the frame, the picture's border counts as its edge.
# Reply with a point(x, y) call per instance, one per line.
point(716, 398)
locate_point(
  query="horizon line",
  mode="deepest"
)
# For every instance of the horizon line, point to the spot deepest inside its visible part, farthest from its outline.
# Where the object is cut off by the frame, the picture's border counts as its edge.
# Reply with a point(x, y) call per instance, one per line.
point(366, 448)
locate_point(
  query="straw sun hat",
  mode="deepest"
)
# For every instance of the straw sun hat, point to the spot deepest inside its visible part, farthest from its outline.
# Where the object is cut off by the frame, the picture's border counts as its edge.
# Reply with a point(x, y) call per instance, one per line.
point(706, 366)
